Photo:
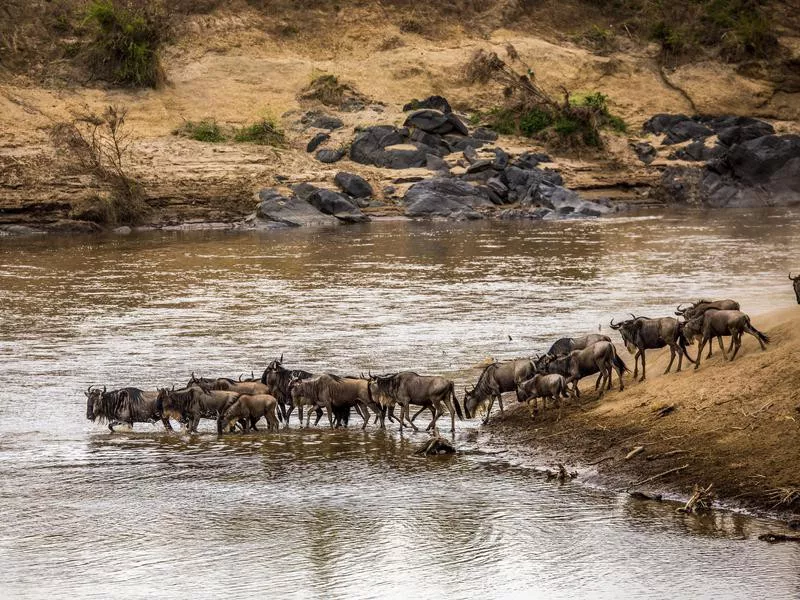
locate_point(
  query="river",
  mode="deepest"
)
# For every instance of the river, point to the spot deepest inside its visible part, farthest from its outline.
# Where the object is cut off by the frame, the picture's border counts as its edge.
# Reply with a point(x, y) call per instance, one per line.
point(323, 514)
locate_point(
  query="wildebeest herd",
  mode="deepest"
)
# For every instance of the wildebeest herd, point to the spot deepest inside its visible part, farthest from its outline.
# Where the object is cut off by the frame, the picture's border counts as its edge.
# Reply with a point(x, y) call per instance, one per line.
point(240, 404)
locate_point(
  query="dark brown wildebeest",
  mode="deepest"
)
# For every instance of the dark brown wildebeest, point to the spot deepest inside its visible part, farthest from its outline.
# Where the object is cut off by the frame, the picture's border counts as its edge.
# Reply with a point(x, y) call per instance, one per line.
point(553, 386)
point(640, 334)
point(718, 323)
point(697, 309)
point(249, 409)
point(796, 285)
point(127, 405)
point(277, 378)
point(496, 379)
point(193, 403)
point(332, 393)
point(252, 388)
point(567, 345)
point(406, 388)
point(598, 358)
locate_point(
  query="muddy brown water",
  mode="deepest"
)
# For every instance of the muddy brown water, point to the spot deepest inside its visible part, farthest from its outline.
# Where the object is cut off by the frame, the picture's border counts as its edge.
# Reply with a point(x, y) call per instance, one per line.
point(324, 514)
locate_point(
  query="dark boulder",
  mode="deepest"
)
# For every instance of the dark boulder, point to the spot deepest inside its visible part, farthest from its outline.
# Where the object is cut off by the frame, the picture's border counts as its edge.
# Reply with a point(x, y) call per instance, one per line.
point(353, 185)
point(434, 121)
point(660, 123)
point(449, 198)
point(482, 133)
point(529, 160)
point(327, 155)
point(683, 131)
point(435, 102)
point(316, 141)
point(719, 123)
point(567, 202)
point(459, 143)
point(698, 151)
point(303, 190)
point(435, 143)
point(480, 165)
point(501, 159)
point(645, 151)
point(437, 163)
point(498, 187)
point(289, 212)
point(737, 134)
point(372, 147)
point(332, 203)
point(328, 122)
point(470, 154)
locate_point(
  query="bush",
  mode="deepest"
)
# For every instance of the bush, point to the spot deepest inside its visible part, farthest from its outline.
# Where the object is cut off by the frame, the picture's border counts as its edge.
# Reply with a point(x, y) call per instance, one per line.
point(127, 41)
point(265, 132)
point(206, 130)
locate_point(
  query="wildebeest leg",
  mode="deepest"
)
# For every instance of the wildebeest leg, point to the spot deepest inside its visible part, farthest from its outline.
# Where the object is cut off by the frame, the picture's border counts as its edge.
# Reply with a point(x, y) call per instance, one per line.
point(700, 352)
point(736, 338)
point(672, 359)
point(364, 414)
point(644, 365)
point(636, 364)
point(253, 421)
point(722, 347)
point(500, 401)
point(600, 378)
point(406, 414)
point(416, 414)
point(488, 410)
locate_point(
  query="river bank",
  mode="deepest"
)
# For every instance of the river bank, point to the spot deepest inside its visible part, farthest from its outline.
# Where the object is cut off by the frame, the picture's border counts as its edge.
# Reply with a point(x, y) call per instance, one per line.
point(730, 424)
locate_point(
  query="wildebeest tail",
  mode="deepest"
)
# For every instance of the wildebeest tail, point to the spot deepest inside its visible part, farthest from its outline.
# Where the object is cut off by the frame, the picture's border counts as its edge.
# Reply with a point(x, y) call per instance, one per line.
point(455, 401)
point(620, 364)
point(762, 336)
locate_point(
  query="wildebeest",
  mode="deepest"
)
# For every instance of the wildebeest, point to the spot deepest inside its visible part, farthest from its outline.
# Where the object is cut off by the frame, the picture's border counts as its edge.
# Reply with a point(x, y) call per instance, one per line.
point(796, 285)
point(127, 405)
point(407, 387)
point(640, 334)
point(718, 323)
point(253, 387)
point(248, 409)
point(567, 345)
point(696, 309)
point(598, 358)
point(496, 379)
point(277, 378)
point(552, 386)
point(193, 403)
point(330, 392)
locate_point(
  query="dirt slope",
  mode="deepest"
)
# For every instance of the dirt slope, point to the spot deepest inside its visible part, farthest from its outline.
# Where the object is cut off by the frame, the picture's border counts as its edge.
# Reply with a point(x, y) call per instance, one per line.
point(737, 423)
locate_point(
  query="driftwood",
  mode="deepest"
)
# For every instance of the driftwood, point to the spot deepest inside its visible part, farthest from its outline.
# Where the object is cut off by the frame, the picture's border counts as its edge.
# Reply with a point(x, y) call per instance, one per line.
point(637, 495)
point(663, 411)
point(701, 500)
point(773, 538)
point(435, 446)
point(666, 454)
point(600, 460)
point(664, 474)
point(634, 452)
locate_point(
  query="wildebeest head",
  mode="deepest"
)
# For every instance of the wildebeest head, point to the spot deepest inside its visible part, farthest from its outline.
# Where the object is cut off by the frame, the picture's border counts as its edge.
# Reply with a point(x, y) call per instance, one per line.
point(471, 402)
point(627, 330)
point(93, 396)
point(382, 388)
point(693, 328)
point(796, 285)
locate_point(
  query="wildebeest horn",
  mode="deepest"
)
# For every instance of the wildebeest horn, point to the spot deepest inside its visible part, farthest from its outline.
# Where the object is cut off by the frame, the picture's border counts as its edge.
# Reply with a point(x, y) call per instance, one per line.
point(104, 389)
point(793, 278)
point(173, 387)
point(679, 309)
point(632, 315)
point(252, 374)
point(280, 360)
point(614, 325)
point(370, 373)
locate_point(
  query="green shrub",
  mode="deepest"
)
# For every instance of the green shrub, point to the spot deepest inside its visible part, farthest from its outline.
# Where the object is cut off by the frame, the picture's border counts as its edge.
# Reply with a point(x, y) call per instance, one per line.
point(265, 132)
point(206, 130)
point(127, 40)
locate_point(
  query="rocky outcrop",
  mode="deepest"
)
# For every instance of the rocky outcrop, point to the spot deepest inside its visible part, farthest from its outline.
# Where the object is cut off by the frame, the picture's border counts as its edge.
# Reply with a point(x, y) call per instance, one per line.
point(330, 155)
point(445, 198)
point(330, 203)
point(289, 212)
point(353, 185)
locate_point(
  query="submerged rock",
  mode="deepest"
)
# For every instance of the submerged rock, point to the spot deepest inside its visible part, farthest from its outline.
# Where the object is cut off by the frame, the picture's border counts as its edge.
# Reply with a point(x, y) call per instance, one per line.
point(449, 198)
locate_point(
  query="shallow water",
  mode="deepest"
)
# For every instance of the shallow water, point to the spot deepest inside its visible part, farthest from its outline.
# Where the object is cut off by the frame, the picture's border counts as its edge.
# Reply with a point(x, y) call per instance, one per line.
point(317, 513)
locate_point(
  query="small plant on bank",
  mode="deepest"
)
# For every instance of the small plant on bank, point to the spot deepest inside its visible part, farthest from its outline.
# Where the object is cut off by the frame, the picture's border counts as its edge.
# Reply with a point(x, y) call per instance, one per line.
point(127, 39)
point(206, 130)
point(266, 132)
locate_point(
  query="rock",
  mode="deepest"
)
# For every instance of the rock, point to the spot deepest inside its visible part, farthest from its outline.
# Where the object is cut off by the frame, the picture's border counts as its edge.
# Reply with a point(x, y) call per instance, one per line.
point(328, 122)
point(330, 155)
point(680, 185)
point(353, 185)
point(436, 163)
point(645, 151)
point(441, 197)
point(459, 143)
point(435, 102)
point(436, 144)
point(685, 130)
point(482, 133)
point(743, 133)
point(389, 191)
point(529, 160)
point(124, 230)
point(435, 121)
point(470, 154)
point(480, 165)
point(719, 123)
point(332, 203)
point(500, 161)
point(566, 202)
point(658, 124)
point(292, 211)
point(698, 151)
point(18, 230)
point(316, 141)
point(498, 187)
point(303, 190)
point(372, 146)
point(516, 214)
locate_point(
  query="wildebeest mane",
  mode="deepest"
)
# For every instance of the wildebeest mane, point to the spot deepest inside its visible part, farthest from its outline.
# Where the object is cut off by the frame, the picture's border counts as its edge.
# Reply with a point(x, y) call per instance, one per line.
point(112, 403)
